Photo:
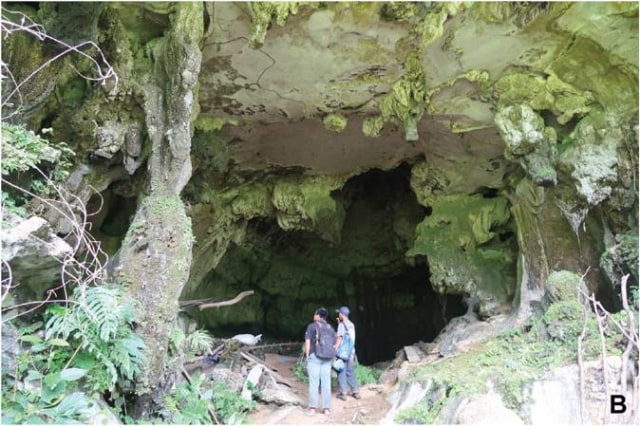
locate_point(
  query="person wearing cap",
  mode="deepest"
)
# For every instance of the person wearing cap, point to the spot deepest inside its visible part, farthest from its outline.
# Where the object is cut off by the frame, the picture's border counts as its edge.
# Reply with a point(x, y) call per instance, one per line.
point(347, 376)
point(319, 370)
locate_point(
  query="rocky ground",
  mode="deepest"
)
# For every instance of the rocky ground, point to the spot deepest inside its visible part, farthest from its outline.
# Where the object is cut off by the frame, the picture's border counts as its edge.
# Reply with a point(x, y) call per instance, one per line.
point(371, 408)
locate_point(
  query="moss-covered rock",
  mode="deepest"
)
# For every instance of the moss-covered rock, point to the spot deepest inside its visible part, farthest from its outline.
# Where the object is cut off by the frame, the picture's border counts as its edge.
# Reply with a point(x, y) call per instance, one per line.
point(335, 122)
point(307, 204)
point(405, 104)
point(541, 93)
point(528, 141)
point(564, 286)
point(592, 158)
point(262, 14)
point(460, 240)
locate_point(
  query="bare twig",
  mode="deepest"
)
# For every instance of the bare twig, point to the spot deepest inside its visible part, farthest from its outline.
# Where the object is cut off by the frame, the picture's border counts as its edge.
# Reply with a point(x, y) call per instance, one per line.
point(82, 266)
point(581, 361)
point(25, 24)
point(202, 305)
point(603, 354)
point(628, 348)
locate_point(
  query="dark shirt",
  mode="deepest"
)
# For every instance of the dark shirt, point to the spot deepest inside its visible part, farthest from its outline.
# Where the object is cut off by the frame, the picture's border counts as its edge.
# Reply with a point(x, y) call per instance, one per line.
point(311, 335)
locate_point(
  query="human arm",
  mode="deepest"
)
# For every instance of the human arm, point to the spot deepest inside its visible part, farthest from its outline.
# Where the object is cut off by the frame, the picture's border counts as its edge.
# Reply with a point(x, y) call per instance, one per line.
point(307, 348)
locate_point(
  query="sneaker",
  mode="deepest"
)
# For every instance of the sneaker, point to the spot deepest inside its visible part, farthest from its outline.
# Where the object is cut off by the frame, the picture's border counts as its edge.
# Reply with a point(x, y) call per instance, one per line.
point(341, 396)
point(356, 396)
point(326, 411)
point(311, 411)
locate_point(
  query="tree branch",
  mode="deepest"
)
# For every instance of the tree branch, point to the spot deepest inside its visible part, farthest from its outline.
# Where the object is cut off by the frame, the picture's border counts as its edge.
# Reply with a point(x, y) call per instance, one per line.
point(202, 304)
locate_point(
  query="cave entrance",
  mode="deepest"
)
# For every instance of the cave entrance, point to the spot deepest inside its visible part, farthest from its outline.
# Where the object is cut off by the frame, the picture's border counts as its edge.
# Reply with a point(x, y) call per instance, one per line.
point(292, 273)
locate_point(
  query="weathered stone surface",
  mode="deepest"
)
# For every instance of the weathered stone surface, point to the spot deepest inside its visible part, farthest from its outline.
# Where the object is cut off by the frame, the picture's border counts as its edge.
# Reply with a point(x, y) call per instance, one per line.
point(485, 409)
point(557, 397)
point(35, 255)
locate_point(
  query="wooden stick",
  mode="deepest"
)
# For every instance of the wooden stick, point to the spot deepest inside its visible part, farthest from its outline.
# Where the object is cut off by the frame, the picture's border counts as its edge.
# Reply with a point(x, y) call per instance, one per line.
point(277, 377)
point(232, 301)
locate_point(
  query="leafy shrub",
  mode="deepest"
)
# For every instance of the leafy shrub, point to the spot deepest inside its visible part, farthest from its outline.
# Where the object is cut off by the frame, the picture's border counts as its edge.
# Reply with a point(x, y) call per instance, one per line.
point(82, 350)
point(366, 375)
point(188, 403)
point(229, 406)
point(32, 163)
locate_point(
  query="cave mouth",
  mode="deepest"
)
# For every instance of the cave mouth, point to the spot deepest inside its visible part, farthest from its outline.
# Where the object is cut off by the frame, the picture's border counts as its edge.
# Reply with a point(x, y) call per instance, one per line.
point(292, 273)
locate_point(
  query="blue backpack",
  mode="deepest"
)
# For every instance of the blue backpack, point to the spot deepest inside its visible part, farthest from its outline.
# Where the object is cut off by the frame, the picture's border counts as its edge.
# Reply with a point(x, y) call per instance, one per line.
point(346, 347)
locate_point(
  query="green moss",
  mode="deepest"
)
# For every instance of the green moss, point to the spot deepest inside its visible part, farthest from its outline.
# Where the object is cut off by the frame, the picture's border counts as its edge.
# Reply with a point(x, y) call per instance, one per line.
point(308, 205)
point(335, 122)
point(521, 13)
point(564, 286)
point(253, 201)
point(431, 24)
point(211, 124)
point(451, 236)
point(261, 15)
point(539, 93)
point(564, 320)
point(400, 11)
point(405, 104)
point(509, 362)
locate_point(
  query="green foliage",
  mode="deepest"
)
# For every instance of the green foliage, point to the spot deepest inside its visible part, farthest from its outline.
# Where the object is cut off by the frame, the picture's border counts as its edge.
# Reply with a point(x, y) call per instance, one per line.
point(188, 403)
point(79, 352)
point(515, 358)
point(197, 342)
point(367, 375)
point(300, 370)
point(32, 163)
point(420, 413)
point(229, 406)
point(100, 324)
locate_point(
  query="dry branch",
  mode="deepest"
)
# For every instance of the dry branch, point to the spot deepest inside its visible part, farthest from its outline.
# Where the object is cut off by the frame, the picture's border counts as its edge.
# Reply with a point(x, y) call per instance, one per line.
point(203, 303)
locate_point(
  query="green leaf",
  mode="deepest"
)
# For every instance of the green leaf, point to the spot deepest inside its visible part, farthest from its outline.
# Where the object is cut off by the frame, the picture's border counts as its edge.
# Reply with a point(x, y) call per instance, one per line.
point(33, 375)
point(51, 380)
point(72, 374)
point(29, 329)
point(52, 394)
point(59, 342)
point(39, 347)
point(34, 339)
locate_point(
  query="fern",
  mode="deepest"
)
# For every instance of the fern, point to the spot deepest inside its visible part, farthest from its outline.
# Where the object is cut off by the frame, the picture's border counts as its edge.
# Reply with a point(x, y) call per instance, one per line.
point(100, 323)
point(199, 342)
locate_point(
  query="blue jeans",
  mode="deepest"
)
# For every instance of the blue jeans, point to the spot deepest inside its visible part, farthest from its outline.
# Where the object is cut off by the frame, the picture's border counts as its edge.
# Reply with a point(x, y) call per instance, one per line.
point(348, 376)
point(319, 372)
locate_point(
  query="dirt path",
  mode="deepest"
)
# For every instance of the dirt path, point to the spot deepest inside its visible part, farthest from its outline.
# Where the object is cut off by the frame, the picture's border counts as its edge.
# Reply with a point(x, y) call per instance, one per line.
point(370, 409)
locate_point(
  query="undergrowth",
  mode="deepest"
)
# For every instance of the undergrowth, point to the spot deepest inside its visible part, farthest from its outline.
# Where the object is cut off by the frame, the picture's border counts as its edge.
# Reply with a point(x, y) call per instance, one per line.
point(70, 358)
point(511, 360)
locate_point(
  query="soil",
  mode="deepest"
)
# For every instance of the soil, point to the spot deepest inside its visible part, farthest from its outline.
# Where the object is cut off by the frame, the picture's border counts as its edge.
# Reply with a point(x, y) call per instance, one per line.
point(369, 409)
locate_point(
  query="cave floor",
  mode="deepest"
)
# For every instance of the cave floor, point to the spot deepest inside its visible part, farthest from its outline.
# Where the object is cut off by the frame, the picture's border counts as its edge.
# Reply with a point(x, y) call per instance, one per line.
point(370, 409)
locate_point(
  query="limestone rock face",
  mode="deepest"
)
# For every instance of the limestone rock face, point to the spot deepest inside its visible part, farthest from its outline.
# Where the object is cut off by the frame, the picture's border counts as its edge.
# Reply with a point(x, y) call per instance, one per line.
point(35, 255)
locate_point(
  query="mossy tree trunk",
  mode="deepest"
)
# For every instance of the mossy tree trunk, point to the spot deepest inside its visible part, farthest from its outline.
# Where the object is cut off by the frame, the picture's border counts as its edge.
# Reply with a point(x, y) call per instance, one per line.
point(533, 268)
point(157, 250)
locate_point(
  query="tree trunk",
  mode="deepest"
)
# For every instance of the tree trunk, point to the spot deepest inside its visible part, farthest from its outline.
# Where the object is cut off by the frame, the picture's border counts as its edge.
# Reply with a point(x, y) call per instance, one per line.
point(157, 250)
point(533, 268)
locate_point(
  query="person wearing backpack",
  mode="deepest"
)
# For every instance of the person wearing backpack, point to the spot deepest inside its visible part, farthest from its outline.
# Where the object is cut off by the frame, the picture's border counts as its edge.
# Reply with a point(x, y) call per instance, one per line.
point(319, 351)
point(347, 336)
